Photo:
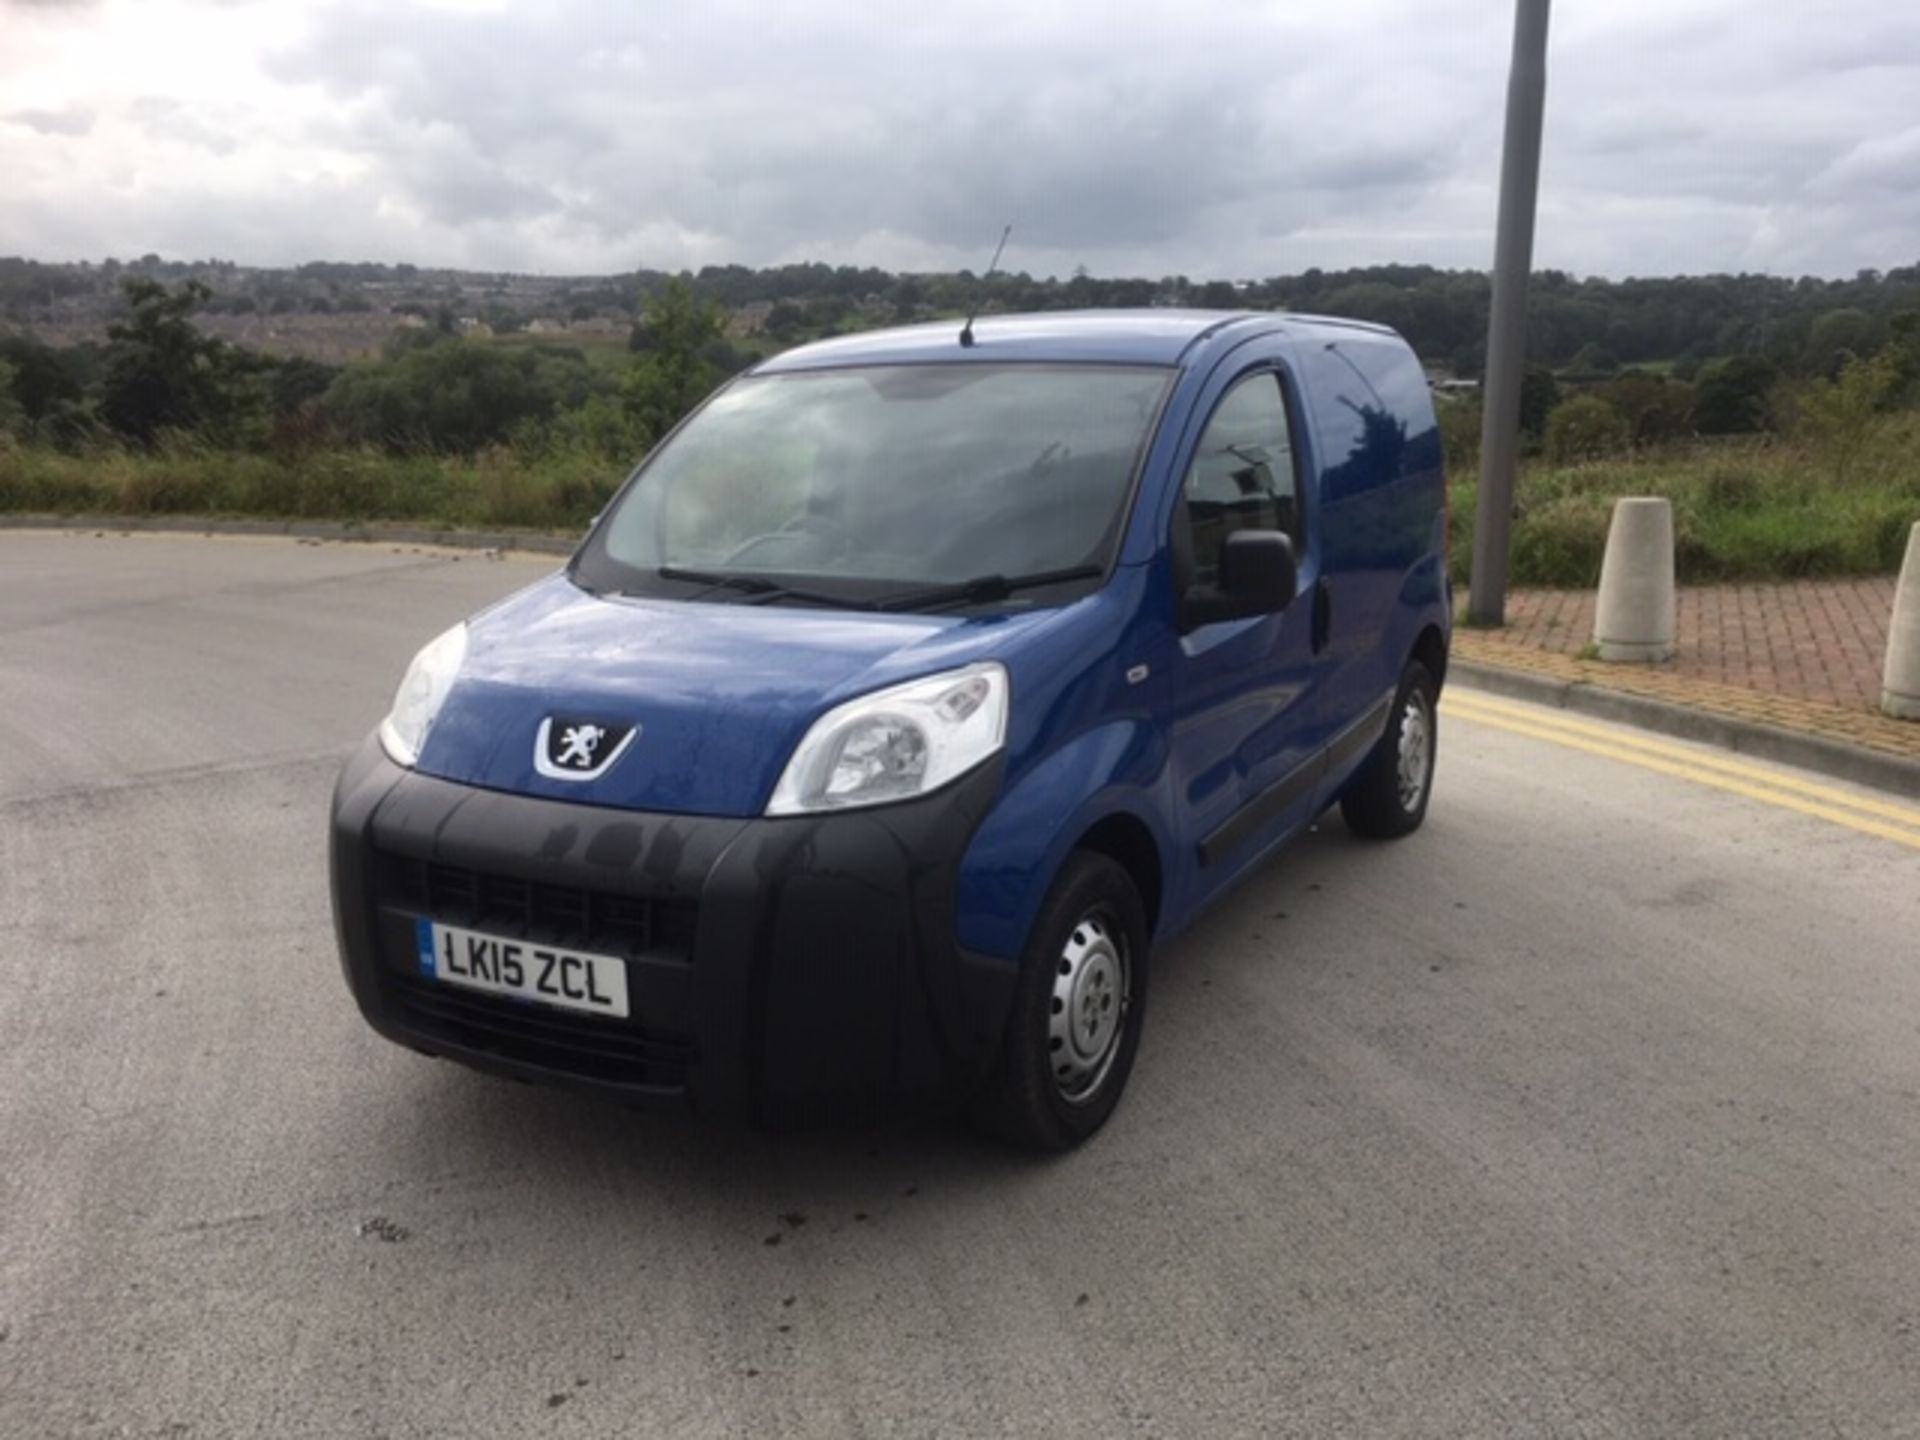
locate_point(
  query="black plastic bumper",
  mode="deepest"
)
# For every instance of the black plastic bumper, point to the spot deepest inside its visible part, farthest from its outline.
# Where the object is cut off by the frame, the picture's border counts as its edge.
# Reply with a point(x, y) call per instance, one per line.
point(779, 971)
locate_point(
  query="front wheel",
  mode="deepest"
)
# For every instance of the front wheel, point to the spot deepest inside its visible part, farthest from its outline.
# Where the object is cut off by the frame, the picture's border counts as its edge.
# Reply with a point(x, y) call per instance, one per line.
point(1076, 1019)
point(1388, 797)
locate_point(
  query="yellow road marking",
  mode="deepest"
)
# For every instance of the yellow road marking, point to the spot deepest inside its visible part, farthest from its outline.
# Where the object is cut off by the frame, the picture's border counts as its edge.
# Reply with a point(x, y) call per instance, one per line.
point(1479, 706)
point(1780, 799)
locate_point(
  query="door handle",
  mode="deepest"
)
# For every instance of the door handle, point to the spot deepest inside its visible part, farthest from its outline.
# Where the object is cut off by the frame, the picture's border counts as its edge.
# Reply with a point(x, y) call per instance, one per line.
point(1322, 615)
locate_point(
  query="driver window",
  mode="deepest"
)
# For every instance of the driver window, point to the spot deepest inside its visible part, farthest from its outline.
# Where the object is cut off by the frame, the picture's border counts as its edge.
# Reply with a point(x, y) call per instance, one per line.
point(1242, 476)
point(753, 505)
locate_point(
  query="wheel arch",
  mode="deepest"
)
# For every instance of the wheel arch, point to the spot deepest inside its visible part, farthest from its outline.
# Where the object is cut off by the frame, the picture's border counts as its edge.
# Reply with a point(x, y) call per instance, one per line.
point(1103, 788)
point(1124, 838)
point(1430, 649)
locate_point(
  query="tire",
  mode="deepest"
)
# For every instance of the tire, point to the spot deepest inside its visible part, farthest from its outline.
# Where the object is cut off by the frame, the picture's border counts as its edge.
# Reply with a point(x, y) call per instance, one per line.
point(1055, 1081)
point(1388, 797)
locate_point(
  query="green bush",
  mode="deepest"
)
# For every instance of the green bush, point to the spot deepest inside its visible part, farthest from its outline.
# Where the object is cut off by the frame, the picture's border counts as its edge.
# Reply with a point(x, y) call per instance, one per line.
point(1460, 422)
point(454, 397)
point(1731, 396)
point(1586, 428)
point(1561, 542)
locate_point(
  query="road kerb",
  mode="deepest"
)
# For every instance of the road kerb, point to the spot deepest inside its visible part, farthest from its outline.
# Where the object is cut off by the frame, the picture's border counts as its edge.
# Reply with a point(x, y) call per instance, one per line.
point(539, 542)
point(1825, 754)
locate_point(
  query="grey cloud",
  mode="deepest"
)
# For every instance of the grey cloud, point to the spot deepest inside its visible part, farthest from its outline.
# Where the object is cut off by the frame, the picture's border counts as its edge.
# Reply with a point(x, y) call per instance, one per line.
point(168, 119)
point(1211, 139)
point(458, 185)
point(1888, 163)
point(72, 121)
point(789, 138)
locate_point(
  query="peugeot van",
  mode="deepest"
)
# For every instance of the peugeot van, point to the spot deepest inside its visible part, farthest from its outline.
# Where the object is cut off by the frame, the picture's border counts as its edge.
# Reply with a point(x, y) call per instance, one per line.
point(900, 704)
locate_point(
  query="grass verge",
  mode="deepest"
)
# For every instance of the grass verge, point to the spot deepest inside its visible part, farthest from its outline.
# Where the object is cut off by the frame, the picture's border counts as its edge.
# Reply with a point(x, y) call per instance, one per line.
point(498, 488)
point(1749, 513)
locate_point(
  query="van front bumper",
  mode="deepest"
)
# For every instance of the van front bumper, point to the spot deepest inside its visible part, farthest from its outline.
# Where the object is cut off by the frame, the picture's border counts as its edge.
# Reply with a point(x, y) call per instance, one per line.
point(780, 971)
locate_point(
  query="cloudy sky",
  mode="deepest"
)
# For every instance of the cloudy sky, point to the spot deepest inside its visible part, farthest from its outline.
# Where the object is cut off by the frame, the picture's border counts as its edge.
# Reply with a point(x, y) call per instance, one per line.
point(1212, 138)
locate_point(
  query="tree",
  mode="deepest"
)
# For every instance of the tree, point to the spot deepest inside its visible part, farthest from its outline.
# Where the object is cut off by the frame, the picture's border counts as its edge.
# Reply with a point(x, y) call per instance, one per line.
point(786, 322)
point(162, 372)
point(1731, 397)
point(1539, 394)
point(455, 396)
point(1374, 300)
point(298, 381)
point(1469, 361)
point(1843, 417)
point(671, 374)
point(1594, 359)
point(13, 415)
point(1586, 428)
point(44, 378)
point(1837, 336)
point(1903, 353)
point(1656, 409)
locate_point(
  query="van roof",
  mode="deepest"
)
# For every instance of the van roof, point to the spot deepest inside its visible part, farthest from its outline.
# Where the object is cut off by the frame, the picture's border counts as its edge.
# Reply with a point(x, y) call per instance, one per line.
point(1138, 337)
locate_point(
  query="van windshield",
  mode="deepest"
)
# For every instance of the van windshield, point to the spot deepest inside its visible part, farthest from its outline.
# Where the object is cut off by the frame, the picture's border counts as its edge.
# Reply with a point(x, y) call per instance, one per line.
point(871, 484)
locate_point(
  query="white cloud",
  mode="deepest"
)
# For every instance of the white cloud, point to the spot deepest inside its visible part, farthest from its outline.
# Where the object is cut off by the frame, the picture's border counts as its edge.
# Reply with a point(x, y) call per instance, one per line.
point(1209, 138)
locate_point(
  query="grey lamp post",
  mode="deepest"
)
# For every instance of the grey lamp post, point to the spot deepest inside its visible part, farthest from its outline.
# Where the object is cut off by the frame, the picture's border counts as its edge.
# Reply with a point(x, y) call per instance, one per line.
point(1507, 329)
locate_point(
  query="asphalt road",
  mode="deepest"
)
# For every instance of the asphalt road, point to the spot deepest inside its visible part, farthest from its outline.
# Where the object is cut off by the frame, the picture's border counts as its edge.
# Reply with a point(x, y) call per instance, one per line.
point(1592, 1109)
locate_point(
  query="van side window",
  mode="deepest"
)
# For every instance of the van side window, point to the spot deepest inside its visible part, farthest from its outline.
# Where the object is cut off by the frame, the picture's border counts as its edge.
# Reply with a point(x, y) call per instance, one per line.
point(1242, 476)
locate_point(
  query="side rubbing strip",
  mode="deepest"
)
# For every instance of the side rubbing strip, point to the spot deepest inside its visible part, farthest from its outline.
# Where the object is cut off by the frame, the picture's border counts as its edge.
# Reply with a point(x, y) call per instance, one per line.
point(1360, 737)
point(1269, 805)
point(1273, 802)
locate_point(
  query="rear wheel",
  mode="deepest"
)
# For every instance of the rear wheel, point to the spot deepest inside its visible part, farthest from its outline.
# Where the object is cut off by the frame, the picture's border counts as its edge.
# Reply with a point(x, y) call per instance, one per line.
point(1075, 1026)
point(1388, 797)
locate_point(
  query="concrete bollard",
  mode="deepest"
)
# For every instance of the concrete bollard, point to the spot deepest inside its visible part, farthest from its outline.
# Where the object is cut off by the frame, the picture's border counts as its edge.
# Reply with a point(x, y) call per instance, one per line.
point(1900, 695)
point(1633, 619)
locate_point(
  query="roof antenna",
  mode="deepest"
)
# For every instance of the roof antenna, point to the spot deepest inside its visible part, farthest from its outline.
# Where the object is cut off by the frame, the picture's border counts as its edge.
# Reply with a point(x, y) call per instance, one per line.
point(966, 330)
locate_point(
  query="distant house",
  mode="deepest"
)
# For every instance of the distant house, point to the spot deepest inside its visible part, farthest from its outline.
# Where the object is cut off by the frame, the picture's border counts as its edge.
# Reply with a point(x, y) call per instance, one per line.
point(749, 319)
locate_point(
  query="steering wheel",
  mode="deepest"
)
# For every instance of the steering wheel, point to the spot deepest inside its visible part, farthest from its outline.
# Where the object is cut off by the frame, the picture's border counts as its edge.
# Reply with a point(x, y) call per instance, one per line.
point(807, 524)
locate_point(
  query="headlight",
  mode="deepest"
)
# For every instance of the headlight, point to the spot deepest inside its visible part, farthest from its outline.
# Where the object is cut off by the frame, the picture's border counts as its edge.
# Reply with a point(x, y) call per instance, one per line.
point(898, 743)
point(421, 694)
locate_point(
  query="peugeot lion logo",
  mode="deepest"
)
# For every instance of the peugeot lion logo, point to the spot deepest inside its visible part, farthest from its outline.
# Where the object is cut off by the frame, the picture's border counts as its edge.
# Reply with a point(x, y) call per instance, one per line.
point(577, 744)
point(578, 749)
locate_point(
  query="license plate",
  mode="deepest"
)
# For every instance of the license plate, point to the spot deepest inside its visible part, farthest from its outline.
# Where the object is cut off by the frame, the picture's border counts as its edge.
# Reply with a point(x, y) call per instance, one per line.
point(523, 969)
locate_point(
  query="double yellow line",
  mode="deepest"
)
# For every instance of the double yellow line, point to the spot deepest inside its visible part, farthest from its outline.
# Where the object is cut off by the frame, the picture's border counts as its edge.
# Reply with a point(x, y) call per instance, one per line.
point(1888, 821)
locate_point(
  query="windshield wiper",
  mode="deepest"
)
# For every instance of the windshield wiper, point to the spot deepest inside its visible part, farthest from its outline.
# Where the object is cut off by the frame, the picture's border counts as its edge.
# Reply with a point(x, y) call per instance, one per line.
point(983, 589)
point(760, 591)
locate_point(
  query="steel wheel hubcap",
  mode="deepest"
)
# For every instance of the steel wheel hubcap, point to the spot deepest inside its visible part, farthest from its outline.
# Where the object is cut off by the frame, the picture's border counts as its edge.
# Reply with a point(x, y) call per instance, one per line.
point(1416, 751)
point(1092, 984)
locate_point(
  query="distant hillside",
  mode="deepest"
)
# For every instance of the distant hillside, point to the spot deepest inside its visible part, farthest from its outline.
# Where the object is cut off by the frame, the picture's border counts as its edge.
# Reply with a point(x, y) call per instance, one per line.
point(342, 311)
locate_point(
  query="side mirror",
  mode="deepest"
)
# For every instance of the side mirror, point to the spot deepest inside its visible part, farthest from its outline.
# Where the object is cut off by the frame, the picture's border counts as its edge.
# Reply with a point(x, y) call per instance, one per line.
point(1258, 576)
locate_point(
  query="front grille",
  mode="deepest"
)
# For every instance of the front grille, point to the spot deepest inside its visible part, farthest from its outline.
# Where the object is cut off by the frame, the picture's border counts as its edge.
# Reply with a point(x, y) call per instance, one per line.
point(594, 920)
point(594, 1048)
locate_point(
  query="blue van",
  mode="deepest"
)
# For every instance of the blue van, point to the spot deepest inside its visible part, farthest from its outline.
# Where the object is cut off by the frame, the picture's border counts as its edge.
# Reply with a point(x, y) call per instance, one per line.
point(899, 703)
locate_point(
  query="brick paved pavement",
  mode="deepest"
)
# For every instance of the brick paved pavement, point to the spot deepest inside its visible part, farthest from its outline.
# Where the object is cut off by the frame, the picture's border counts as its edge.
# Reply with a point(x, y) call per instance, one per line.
point(1818, 640)
point(1804, 657)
